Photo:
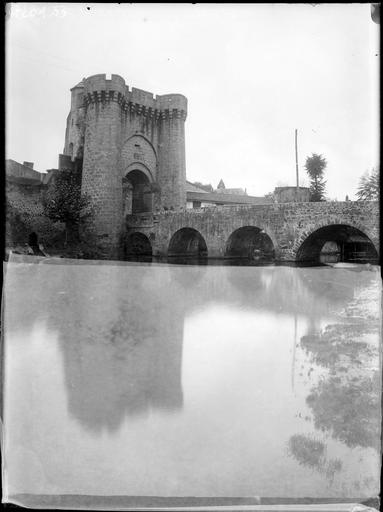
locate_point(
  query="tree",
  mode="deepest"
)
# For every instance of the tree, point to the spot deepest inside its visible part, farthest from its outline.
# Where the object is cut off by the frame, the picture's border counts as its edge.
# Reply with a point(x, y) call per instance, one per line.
point(368, 189)
point(64, 202)
point(315, 166)
point(346, 401)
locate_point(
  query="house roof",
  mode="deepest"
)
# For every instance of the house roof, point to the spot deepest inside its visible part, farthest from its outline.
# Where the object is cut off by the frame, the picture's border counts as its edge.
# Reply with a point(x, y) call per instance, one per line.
point(216, 198)
point(190, 187)
point(235, 191)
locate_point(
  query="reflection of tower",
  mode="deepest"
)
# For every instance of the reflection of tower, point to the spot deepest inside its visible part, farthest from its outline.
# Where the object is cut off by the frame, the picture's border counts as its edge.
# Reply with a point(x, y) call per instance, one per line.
point(132, 135)
point(122, 350)
point(294, 349)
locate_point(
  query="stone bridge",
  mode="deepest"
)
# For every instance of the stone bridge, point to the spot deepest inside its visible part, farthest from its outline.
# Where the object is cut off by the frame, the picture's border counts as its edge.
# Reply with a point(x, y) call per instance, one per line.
point(283, 231)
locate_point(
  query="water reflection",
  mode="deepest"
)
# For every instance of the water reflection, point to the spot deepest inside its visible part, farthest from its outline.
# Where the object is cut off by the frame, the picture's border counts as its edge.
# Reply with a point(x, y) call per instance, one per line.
point(123, 368)
point(308, 452)
point(128, 351)
point(337, 342)
point(346, 401)
point(186, 371)
point(348, 409)
point(121, 333)
point(312, 453)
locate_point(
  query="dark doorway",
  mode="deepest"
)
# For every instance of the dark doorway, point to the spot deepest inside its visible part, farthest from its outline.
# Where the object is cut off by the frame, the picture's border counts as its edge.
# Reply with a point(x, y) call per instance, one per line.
point(33, 240)
point(187, 242)
point(142, 197)
point(337, 243)
point(250, 242)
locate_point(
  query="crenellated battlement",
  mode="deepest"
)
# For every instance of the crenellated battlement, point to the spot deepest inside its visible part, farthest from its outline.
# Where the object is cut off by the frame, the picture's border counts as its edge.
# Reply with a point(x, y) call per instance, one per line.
point(98, 83)
point(99, 89)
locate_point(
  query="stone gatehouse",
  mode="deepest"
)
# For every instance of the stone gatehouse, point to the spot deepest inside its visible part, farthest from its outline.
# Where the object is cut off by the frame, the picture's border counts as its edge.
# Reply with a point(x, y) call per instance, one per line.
point(132, 144)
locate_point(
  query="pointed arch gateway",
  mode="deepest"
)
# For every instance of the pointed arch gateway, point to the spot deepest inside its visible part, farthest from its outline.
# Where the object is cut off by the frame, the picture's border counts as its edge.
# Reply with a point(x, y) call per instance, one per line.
point(139, 165)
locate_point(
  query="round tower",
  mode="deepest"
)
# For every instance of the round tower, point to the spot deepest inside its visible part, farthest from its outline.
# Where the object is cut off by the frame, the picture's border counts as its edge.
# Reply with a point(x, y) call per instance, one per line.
point(172, 167)
point(101, 178)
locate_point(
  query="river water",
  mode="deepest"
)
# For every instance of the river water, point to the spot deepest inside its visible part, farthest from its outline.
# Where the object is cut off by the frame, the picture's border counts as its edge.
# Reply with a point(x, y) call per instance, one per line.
point(171, 380)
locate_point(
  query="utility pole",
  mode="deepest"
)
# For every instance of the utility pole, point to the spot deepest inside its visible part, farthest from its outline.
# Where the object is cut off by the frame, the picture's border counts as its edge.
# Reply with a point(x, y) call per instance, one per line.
point(296, 159)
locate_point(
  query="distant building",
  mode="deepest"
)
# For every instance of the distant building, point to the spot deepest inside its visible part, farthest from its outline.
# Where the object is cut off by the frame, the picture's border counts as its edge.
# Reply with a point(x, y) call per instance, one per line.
point(221, 189)
point(196, 197)
point(291, 194)
point(24, 174)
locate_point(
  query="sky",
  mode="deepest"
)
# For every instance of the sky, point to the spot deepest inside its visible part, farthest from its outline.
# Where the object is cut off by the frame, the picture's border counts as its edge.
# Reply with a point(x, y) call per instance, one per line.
point(252, 73)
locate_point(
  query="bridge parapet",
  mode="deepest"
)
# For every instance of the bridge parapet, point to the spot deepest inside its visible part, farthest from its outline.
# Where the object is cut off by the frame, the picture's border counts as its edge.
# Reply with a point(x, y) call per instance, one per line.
point(288, 225)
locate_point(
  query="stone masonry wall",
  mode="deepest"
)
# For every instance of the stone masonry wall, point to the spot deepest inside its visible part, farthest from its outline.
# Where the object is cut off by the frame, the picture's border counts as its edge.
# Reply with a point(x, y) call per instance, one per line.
point(138, 153)
point(126, 130)
point(287, 224)
point(25, 198)
point(24, 214)
point(100, 176)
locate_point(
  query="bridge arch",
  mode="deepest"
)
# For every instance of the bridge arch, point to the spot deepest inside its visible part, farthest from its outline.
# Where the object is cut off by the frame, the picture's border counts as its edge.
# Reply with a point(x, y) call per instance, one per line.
point(336, 242)
point(138, 244)
point(250, 242)
point(187, 242)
